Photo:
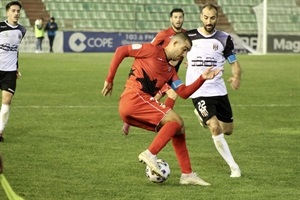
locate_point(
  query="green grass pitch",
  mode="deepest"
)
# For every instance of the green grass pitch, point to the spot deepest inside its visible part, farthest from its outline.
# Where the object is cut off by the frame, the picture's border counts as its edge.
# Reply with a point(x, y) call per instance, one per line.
point(63, 140)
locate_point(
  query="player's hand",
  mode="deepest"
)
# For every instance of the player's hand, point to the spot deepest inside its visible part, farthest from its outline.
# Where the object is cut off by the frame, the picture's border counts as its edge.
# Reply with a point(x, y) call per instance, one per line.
point(171, 94)
point(210, 74)
point(234, 82)
point(107, 88)
point(18, 74)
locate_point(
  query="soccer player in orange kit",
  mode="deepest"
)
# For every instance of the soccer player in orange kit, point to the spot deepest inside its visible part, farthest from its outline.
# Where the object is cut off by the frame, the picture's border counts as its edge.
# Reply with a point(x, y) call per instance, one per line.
point(138, 107)
point(163, 38)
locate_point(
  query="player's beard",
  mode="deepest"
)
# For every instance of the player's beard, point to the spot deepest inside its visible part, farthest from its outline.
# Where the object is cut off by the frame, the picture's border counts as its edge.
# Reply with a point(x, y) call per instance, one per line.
point(177, 26)
point(209, 29)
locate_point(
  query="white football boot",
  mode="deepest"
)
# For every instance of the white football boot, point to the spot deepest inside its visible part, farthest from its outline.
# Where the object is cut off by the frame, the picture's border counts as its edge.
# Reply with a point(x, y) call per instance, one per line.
point(192, 179)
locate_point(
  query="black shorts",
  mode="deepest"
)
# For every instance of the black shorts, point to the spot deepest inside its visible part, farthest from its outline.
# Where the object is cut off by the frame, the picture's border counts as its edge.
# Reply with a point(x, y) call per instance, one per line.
point(8, 81)
point(218, 106)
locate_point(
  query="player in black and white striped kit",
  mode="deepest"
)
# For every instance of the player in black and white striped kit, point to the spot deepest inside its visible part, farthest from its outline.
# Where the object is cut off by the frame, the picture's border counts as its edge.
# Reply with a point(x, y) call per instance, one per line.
point(212, 48)
point(11, 35)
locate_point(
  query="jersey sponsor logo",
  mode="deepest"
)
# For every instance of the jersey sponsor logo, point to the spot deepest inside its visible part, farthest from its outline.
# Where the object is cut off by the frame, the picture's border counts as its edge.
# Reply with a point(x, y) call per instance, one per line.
point(8, 47)
point(136, 46)
point(206, 62)
point(20, 36)
point(215, 47)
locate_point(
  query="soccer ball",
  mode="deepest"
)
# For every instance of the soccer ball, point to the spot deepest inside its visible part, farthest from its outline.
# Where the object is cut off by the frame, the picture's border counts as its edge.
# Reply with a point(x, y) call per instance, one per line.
point(164, 167)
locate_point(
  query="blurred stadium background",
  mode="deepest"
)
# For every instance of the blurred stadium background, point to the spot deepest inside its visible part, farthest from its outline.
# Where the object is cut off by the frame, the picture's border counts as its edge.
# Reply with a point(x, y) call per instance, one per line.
point(102, 25)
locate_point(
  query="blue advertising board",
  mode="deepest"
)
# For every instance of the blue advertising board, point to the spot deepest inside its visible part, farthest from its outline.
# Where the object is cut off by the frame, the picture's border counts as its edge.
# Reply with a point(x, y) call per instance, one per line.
point(101, 41)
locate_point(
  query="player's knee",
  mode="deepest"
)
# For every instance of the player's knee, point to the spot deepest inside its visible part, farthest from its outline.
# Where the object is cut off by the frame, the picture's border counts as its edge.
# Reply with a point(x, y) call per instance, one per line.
point(228, 131)
point(215, 129)
point(179, 122)
point(7, 98)
point(181, 127)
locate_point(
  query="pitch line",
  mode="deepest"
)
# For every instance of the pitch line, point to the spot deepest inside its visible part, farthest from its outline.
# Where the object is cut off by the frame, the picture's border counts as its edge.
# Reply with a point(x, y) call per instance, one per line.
point(177, 105)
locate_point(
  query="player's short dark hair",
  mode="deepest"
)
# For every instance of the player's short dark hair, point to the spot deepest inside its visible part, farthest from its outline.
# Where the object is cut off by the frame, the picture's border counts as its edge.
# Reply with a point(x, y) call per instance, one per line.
point(13, 3)
point(210, 6)
point(176, 10)
point(184, 36)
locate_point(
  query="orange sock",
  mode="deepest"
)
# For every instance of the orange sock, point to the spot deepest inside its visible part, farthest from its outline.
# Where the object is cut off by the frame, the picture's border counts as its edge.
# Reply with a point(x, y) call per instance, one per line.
point(164, 136)
point(169, 102)
point(182, 153)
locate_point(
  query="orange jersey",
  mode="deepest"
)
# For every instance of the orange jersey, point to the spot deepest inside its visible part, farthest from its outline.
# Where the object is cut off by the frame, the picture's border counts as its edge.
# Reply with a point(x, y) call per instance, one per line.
point(150, 69)
point(164, 37)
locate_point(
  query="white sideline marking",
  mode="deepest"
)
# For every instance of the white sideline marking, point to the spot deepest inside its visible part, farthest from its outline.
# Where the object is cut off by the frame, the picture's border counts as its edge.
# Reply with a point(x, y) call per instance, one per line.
point(178, 105)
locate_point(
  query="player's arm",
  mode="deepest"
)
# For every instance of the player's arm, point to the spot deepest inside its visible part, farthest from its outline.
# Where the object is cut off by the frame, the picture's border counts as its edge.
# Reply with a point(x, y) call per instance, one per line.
point(235, 79)
point(18, 73)
point(185, 91)
point(120, 53)
point(133, 50)
point(236, 71)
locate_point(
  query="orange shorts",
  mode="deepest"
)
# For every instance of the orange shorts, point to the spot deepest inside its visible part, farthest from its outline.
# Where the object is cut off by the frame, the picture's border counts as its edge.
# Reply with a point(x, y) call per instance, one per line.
point(142, 110)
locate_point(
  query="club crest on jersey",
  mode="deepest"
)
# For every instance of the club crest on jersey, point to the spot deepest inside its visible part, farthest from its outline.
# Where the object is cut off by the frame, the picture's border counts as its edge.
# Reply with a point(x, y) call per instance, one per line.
point(215, 47)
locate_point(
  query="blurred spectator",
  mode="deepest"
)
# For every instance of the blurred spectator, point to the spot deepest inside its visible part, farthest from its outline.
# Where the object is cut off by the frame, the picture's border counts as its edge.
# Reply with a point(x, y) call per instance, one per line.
point(51, 29)
point(39, 31)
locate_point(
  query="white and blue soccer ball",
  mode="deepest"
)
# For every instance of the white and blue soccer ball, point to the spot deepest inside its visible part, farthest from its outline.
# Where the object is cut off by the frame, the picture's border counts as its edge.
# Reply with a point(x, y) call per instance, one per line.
point(164, 167)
